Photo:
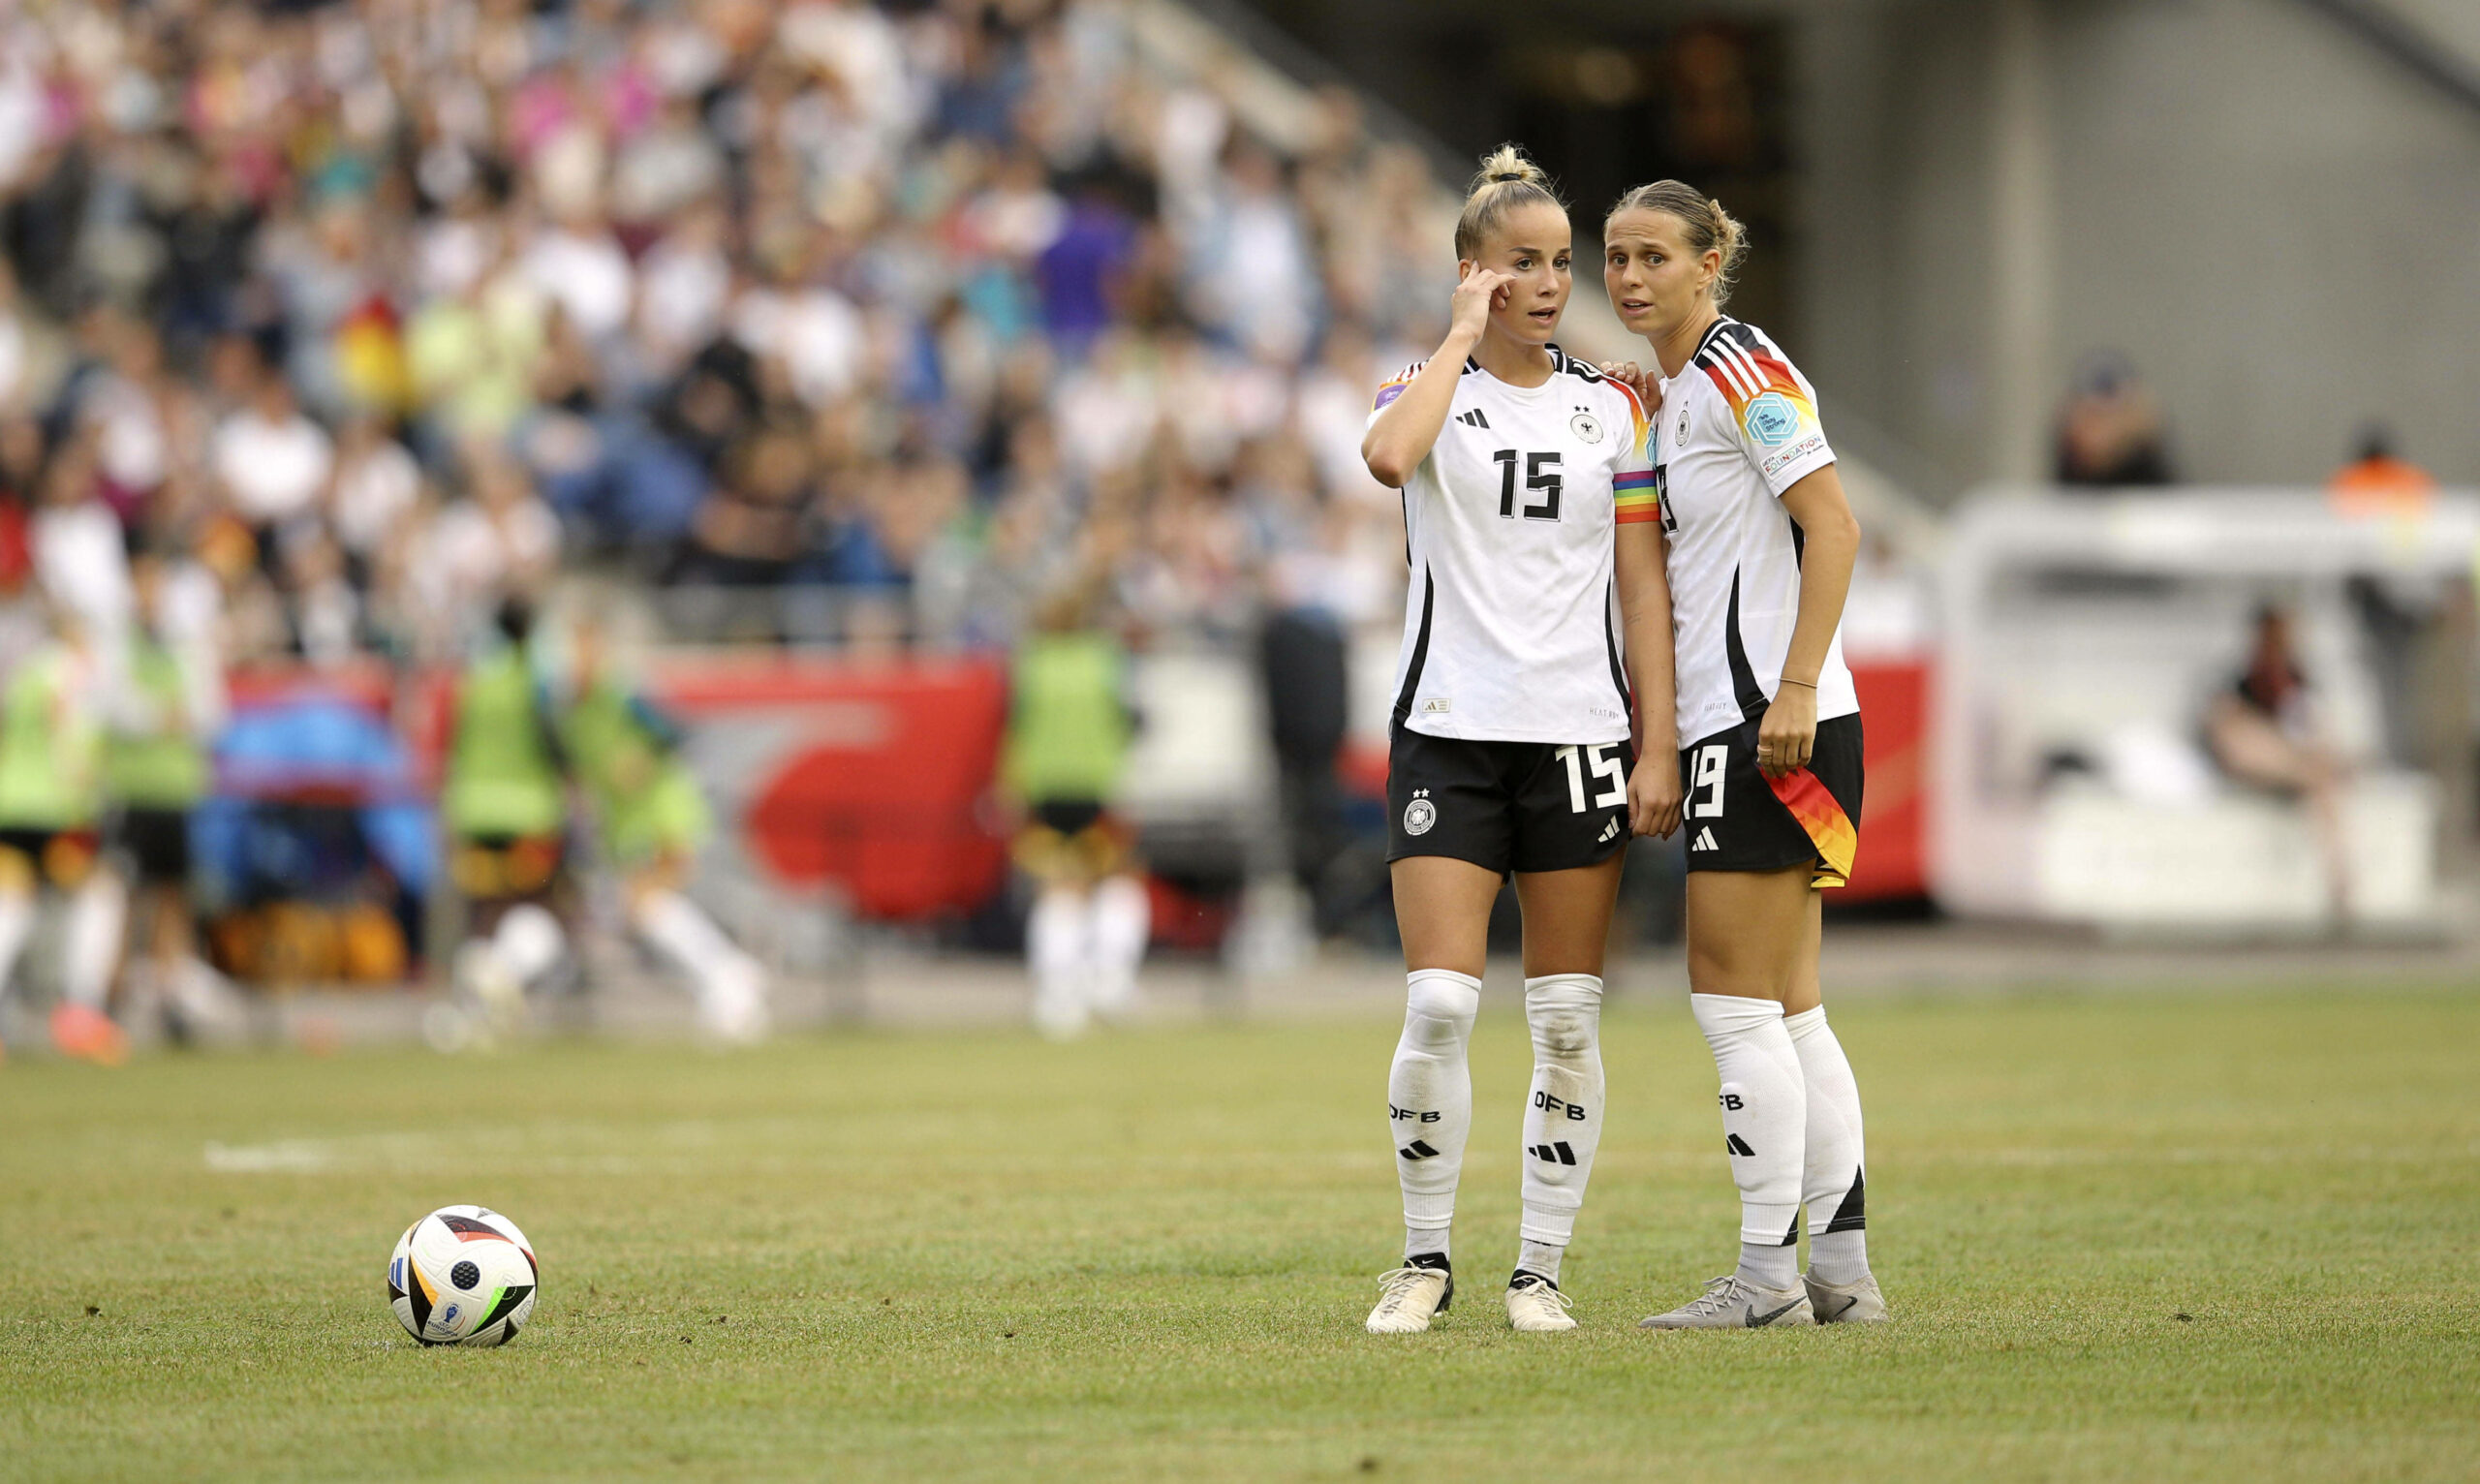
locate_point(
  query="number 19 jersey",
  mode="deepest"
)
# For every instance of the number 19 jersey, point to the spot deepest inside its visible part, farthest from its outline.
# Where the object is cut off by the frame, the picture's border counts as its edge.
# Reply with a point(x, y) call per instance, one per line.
point(1511, 625)
point(1738, 427)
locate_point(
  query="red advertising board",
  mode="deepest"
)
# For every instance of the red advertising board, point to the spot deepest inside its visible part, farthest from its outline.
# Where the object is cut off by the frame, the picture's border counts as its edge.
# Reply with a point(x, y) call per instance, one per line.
point(869, 777)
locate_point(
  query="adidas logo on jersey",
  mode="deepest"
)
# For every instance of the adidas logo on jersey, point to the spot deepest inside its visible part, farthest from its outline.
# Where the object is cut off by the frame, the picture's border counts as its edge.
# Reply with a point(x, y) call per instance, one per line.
point(1705, 839)
point(1474, 419)
point(1609, 832)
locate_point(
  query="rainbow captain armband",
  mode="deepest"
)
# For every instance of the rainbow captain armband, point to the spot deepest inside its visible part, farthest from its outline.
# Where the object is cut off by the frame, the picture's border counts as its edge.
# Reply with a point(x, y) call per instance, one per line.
point(1635, 496)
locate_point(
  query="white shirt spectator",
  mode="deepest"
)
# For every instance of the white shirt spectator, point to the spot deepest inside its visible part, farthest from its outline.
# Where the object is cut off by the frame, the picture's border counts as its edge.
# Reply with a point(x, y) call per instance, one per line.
point(133, 450)
point(469, 552)
point(587, 275)
point(274, 463)
point(816, 332)
point(682, 290)
point(82, 564)
point(374, 488)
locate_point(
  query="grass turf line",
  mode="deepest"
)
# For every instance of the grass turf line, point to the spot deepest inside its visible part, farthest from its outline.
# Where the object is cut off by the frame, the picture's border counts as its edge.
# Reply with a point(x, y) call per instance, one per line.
point(2126, 1237)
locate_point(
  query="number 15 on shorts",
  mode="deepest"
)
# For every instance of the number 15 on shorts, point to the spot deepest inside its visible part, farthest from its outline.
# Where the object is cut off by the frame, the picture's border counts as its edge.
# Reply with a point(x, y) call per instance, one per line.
point(1603, 766)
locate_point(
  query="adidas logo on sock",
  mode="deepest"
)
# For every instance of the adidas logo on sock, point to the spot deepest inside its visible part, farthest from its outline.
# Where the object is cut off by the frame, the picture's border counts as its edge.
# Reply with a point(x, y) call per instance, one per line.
point(1552, 1153)
point(1418, 1148)
point(1474, 419)
point(1735, 1145)
point(1609, 832)
point(1705, 839)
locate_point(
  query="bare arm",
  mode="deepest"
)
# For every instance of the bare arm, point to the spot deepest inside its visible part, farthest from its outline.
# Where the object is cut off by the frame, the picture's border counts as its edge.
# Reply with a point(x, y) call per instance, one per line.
point(1407, 427)
point(1643, 571)
point(1830, 545)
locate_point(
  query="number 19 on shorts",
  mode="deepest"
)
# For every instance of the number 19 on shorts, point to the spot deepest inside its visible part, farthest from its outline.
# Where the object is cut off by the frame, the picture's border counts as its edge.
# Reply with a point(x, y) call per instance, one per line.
point(1603, 766)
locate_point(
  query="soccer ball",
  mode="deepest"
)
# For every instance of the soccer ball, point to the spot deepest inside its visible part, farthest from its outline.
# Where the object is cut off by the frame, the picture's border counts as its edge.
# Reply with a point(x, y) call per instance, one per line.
point(462, 1274)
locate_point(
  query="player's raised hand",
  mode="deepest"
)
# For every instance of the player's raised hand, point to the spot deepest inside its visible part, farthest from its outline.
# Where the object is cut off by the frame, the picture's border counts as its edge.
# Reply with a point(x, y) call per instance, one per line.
point(1655, 795)
point(1481, 291)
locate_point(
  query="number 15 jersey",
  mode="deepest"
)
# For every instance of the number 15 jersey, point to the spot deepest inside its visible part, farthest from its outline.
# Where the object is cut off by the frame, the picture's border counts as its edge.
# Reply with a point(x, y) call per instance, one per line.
point(1511, 624)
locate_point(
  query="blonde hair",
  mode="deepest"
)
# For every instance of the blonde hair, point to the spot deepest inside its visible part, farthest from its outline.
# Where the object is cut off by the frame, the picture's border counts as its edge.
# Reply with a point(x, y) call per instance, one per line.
point(1507, 183)
point(1709, 226)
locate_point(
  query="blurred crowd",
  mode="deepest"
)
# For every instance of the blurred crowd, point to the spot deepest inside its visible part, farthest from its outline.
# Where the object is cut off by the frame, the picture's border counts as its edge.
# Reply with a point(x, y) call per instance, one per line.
point(360, 316)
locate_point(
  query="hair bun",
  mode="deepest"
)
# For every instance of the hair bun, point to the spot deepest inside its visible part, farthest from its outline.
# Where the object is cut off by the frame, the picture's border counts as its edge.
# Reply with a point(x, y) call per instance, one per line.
point(1508, 176)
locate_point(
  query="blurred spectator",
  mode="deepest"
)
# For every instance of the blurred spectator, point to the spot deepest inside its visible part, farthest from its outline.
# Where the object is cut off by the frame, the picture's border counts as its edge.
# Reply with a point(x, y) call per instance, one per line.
point(272, 459)
point(2263, 733)
point(379, 311)
point(2110, 433)
point(2407, 625)
point(2379, 480)
point(80, 556)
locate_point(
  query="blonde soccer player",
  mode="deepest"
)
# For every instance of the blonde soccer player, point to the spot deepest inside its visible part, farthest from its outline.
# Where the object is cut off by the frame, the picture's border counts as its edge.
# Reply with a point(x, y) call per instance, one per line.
point(1760, 544)
point(1510, 751)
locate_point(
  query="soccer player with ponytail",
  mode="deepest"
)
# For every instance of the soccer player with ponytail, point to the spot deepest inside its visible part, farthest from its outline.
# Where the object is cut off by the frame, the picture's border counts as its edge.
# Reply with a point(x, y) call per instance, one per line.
point(1512, 716)
point(1761, 543)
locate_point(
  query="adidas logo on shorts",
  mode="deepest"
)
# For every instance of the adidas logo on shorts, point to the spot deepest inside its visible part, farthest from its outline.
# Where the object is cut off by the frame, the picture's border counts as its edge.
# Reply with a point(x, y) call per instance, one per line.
point(1609, 832)
point(1705, 839)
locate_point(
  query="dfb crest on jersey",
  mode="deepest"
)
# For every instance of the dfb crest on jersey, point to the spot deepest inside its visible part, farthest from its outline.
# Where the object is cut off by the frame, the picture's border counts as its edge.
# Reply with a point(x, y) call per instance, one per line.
point(1583, 425)
point(1420, 814)
point(1771, 420)
point(1683, 422)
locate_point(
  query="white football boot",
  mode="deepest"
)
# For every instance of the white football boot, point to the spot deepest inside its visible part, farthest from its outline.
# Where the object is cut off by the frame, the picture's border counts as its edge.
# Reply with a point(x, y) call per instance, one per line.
point(1728, 1302)
point(1537, 1307)
point(1409, 1298)
point(1857, 1303)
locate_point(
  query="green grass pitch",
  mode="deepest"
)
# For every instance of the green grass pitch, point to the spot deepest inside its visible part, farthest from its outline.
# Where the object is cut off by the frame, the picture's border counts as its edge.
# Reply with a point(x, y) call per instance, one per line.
point(2186, 1236)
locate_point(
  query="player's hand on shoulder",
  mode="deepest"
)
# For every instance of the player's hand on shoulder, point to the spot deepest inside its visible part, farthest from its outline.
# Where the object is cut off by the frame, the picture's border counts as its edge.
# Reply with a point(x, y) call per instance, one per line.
point(1788, 735)
point(1635, 378)
point(1481, 291)
point(1655, 796)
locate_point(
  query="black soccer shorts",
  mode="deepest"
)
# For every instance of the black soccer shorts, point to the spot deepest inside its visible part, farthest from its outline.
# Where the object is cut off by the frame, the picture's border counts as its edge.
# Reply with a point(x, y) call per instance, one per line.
point(1736, 819)
point(157, 843)
point(1507, 806)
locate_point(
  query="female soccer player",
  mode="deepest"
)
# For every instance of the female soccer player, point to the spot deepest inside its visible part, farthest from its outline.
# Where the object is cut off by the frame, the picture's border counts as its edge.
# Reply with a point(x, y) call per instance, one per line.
point(1510, 751)
point(1760, 548)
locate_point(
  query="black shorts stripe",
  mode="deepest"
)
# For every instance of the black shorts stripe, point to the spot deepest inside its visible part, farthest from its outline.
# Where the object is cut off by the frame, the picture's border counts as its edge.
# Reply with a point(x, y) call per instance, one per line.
point(1420, 650)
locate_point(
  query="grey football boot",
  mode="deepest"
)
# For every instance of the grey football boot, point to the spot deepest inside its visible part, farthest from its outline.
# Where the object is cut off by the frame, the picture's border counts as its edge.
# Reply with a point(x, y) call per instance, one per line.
point(1857, 1303)
point(1729, 1303)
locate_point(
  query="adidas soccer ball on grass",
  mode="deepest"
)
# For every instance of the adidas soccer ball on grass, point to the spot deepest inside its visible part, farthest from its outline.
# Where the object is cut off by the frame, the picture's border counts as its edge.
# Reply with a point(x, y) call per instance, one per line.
point(462, 1274)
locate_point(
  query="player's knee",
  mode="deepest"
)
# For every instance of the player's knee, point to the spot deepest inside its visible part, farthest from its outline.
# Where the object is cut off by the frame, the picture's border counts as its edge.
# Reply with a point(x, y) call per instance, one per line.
point(1440, 1009)
point(1566, 1015)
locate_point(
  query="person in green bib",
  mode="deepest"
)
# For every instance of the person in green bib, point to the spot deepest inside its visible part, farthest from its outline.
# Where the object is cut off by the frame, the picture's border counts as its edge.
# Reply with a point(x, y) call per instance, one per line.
point(169, 705)
point(652, 816)
point(505, 806)
point(1070, 727)
point(50, 801)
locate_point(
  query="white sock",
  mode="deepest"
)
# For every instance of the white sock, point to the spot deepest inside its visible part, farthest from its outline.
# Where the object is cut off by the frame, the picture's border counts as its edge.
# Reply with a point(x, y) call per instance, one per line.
point(1057, 934)
point(90, 950)
point(1765, 1114)
point(16, 925)
point(527, 942)
point(1832, 1186)
point(1540, 1257)
point(1120, 916)
point(681, 931)
point(1429, 1099)
point(1562, 1115)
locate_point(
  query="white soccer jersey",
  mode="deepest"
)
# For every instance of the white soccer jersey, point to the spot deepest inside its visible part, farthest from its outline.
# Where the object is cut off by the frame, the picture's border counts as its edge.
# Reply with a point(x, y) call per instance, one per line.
point(1511, 628)
point(1738, 426)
